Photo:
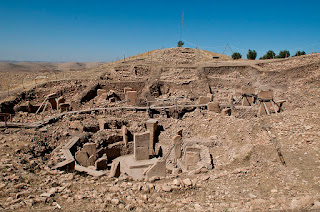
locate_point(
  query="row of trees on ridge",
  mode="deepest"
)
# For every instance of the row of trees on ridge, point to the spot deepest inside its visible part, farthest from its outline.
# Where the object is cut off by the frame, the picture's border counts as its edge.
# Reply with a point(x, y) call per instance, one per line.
point(252, 54)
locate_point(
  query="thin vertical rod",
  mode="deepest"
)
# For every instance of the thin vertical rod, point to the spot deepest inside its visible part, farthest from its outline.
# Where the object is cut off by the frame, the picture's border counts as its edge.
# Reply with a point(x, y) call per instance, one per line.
point(182, 24)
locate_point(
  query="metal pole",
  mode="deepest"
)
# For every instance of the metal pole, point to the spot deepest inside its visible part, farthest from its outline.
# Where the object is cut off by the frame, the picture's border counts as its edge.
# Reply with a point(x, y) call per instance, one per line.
point(182, 25)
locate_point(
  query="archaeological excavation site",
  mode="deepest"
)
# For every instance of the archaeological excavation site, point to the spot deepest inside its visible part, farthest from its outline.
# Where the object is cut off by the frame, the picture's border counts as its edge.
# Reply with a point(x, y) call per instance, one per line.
point(176, 129)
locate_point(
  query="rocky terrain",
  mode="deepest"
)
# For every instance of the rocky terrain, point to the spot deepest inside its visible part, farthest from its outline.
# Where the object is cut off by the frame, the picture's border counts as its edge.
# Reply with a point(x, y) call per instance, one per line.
point(248, 173)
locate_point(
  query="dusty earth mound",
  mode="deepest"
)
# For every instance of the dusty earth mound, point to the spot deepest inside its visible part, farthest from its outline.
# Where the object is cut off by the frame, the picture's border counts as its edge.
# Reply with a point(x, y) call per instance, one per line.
point(179, 55)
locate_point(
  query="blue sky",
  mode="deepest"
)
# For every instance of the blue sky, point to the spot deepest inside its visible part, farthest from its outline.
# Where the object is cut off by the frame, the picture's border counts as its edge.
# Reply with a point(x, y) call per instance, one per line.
point(54, 30)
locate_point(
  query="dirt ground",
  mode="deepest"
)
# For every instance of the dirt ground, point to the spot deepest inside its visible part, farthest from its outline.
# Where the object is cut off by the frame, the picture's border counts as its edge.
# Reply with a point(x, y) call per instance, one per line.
point(247, 173)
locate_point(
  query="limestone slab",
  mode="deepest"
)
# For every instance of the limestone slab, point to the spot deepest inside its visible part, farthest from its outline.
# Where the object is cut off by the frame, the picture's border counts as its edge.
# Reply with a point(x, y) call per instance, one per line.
point(141, 145)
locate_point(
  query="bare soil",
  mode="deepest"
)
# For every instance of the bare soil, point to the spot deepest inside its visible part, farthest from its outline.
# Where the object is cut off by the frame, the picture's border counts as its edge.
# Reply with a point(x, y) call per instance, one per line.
point(247, 175)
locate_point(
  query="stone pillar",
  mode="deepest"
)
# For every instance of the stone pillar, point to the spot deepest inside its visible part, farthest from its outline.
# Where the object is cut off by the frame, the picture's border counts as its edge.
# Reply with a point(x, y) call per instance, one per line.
point(91, 149)
point(141, 145)
point(152, 126)
point(177, 141)
point(210, 96)
point(102, 124)
point(125, 135)
point(192, 157)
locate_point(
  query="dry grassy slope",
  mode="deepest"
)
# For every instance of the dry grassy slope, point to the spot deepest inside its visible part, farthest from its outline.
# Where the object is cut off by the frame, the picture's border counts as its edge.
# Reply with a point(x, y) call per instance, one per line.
point(25, 75)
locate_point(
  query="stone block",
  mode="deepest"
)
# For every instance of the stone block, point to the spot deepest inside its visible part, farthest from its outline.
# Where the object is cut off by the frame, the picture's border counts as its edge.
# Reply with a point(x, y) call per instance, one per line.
point(131, 97)
point(226, 112)
point(204, 100)
point(82, 158)
point(126, 89)
point(67, 165)
point(103, 96)
point(101, 152)
point(90, 148)
point(76, 125)
point(214, 106)
point(101, 163)
point(192, 157)
point(103, 124)
point(75, 105)
point(141, 146)
point(100, 92)
point(156, 170)
point(249, 91)
point(152, 127)
point(115, 169)
point(265, 95)
point(114, 150)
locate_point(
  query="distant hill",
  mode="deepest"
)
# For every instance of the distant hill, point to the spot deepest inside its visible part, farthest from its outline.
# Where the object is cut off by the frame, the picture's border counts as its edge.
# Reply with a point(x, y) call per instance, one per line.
point(45, 66)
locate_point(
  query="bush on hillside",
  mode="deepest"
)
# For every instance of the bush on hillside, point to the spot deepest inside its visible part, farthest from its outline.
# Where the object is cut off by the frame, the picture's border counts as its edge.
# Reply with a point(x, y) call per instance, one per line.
point(269, 55)
point(180, 43)
point(252, 54)
point(236, 55)
point(298, 53)
point(283, 54)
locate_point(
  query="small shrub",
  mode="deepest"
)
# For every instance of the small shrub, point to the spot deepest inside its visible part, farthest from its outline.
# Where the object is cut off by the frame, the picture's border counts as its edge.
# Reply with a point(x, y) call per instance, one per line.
point(269, 55)
point(284, 54)
point(236, 55)
point(252, 54)
point(298, 53)
point(180, 43)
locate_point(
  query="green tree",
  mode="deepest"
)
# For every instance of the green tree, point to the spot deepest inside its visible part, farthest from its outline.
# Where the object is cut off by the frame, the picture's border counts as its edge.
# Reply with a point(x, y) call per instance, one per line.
point(298, 53)
point(283, 54)
point(252, 54)
point(180, 43)
point(269, 55)
point(236, 55)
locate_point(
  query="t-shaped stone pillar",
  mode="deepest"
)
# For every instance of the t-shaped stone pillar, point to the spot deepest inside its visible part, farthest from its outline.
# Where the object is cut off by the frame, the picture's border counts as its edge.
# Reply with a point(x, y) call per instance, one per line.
point(141, 146)
point(152, 126)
